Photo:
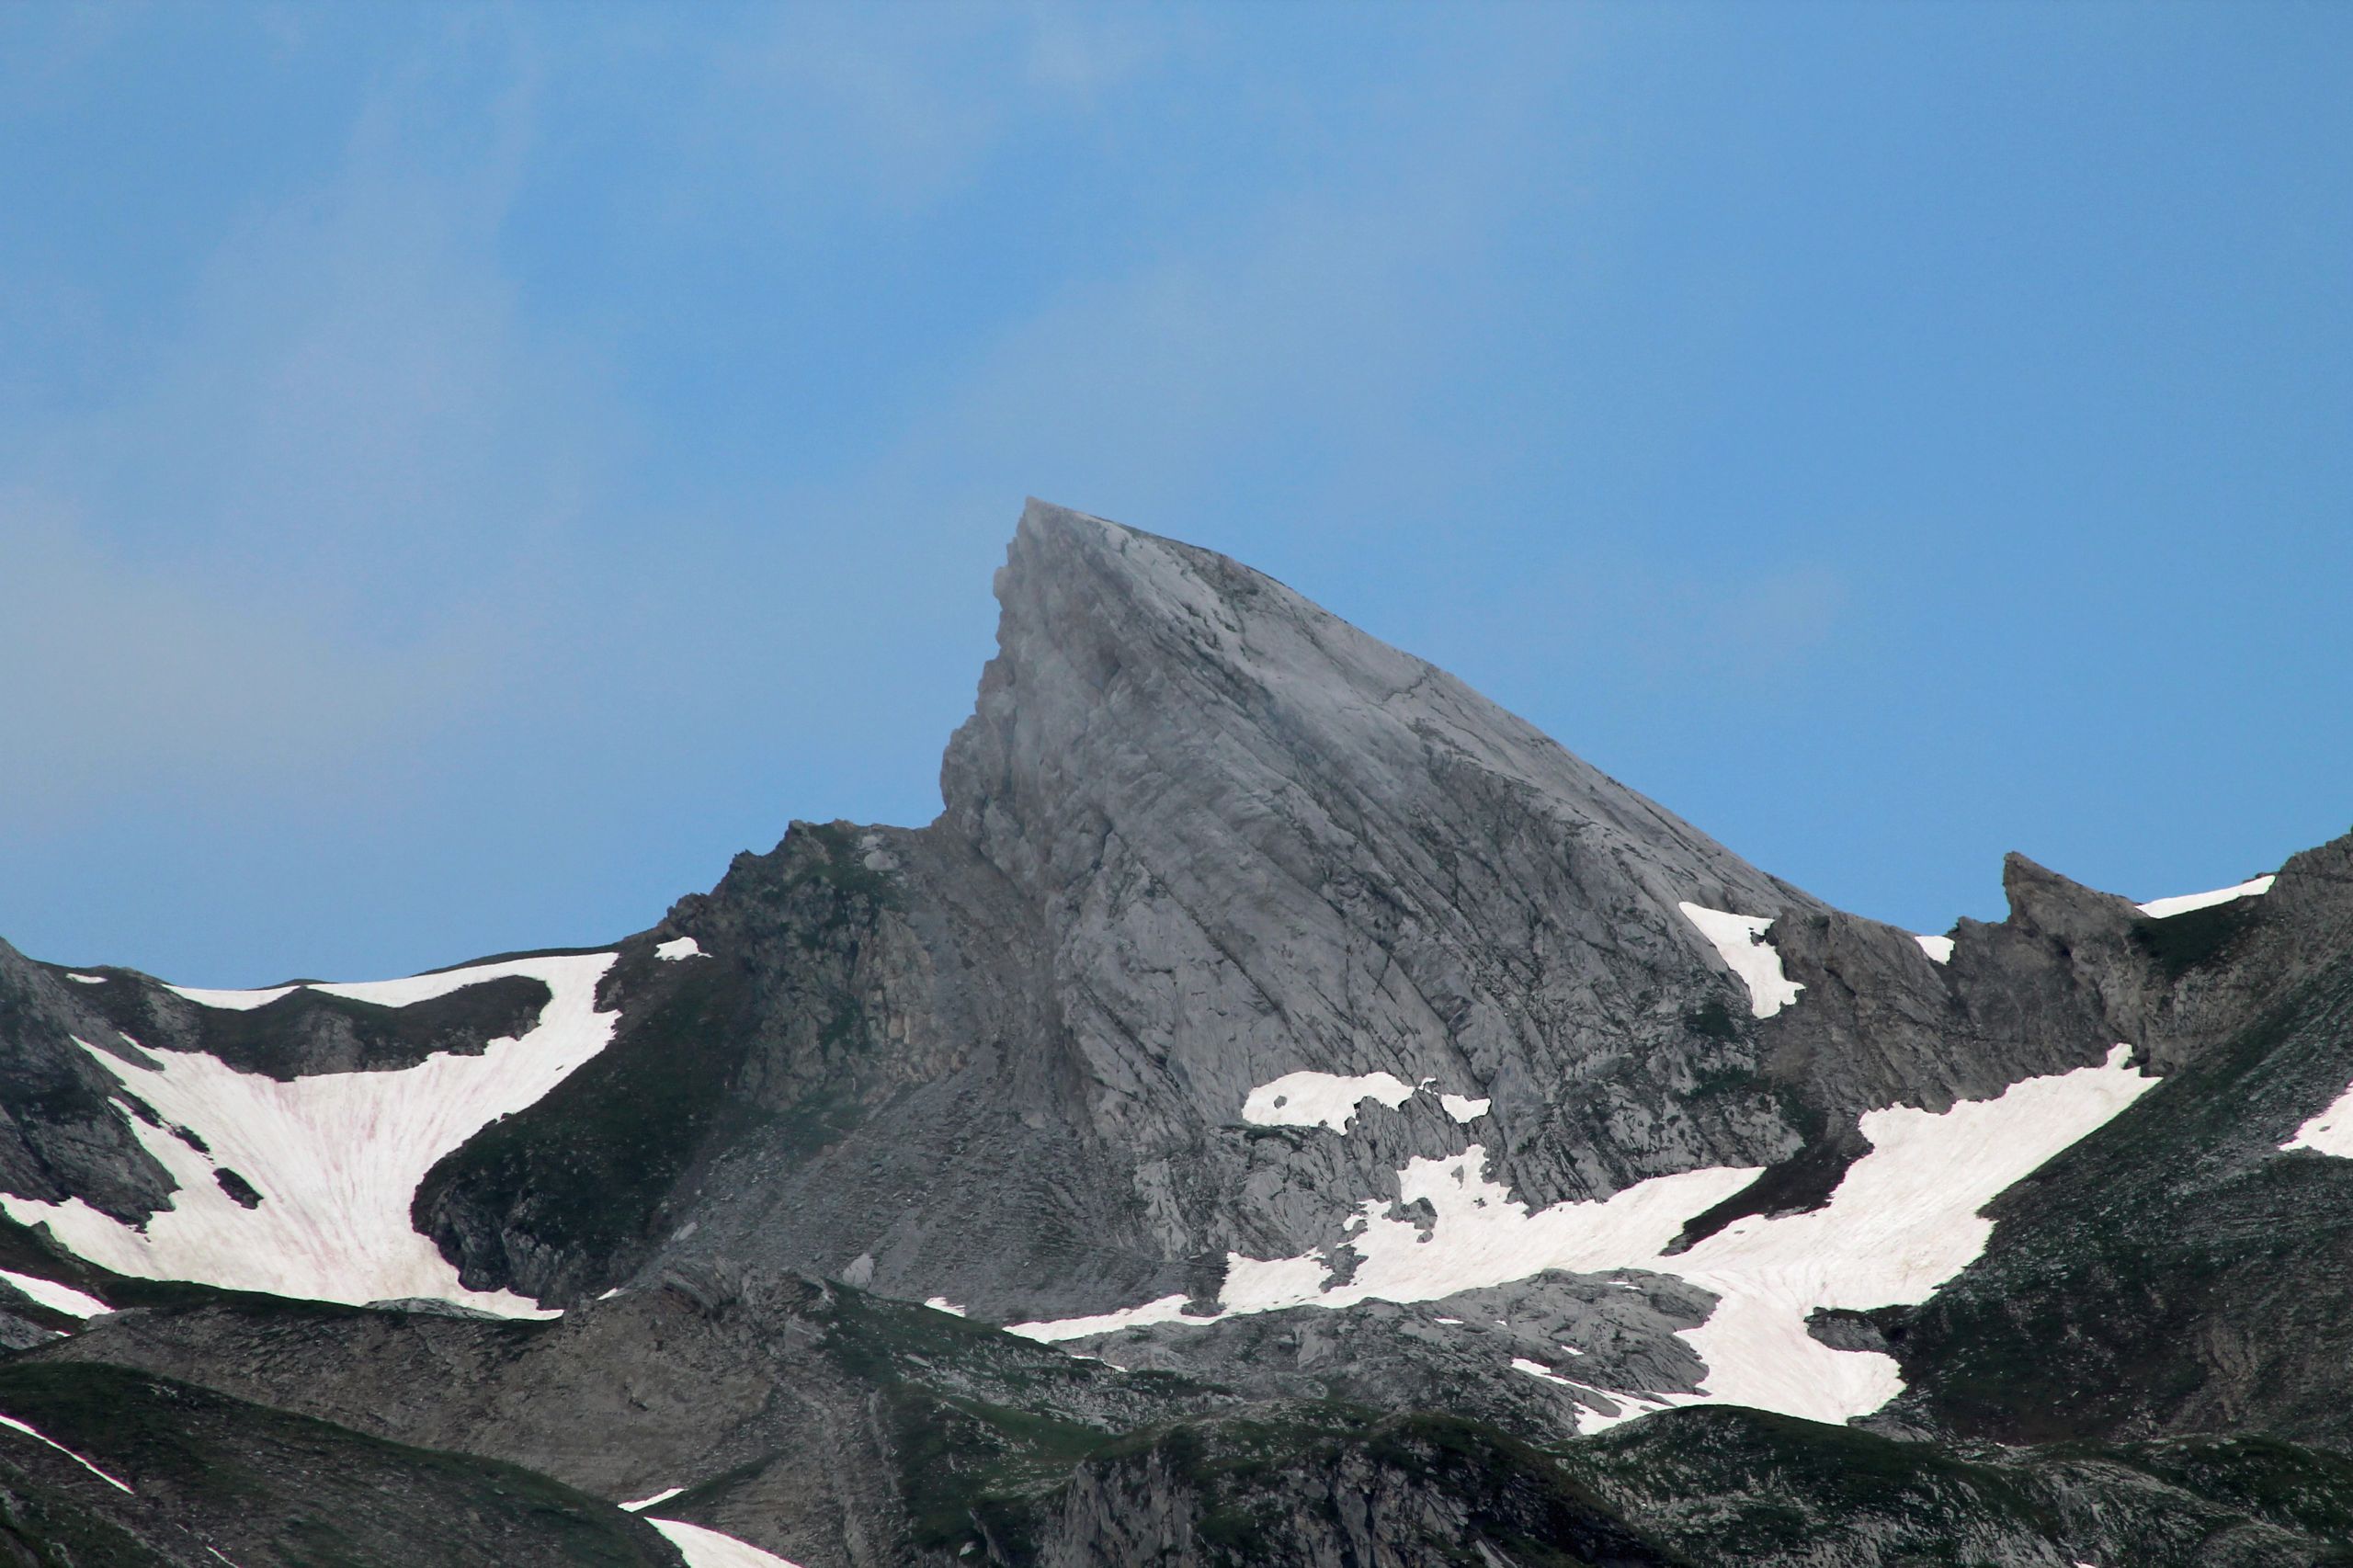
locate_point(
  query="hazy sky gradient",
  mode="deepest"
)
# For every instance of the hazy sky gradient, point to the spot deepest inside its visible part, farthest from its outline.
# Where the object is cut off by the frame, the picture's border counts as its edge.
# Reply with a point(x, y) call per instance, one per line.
point(466, 472)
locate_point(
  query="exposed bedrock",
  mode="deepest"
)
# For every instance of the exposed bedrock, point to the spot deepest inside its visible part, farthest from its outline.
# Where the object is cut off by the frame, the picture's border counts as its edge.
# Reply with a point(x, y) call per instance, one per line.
point(1200, 834)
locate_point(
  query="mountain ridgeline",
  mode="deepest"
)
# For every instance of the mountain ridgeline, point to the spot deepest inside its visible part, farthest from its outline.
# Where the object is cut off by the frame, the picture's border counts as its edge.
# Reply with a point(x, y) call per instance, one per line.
point(1285, 1110)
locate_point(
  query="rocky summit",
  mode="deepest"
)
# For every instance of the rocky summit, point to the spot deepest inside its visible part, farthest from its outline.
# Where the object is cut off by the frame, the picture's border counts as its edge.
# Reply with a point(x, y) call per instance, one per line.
point(1284, 1110)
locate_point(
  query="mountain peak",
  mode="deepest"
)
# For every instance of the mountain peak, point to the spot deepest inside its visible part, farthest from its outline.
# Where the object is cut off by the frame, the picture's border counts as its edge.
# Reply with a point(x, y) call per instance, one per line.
point(1149, 660)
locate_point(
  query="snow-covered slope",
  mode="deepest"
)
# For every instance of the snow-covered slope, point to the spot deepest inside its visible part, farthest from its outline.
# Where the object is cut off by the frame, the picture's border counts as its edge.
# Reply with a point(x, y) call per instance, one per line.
point(332, 1159)
point(1903, 1221)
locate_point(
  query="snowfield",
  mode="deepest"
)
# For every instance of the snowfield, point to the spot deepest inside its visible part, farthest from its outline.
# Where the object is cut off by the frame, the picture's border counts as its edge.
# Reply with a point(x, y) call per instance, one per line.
point(336, 1157)
point(1331, 1099)
point(55, 1297)
point(708, 1549)
point(1739, 940)
point(1321, 1099)
point(2182, 904)
point(1903, 1221)
point(2330, 1133)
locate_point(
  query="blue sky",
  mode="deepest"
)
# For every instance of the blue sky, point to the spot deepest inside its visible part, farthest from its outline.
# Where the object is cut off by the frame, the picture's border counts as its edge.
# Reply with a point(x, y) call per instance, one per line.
point(466, 472)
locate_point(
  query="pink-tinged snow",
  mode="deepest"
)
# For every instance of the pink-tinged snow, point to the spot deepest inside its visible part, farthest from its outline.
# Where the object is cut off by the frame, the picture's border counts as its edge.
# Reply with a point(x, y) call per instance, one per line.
point(1321, 1099)
point(1903, 1221)
point(1462, 1108)
point(14, 1425)
point(1739, 940)
point(336, 1157)
point(662, 1497)
point(1938, 948)
point(678, 947)
point(2330, 1133)
point(55, 1297)
point(2182, 904)
point(708, 1549)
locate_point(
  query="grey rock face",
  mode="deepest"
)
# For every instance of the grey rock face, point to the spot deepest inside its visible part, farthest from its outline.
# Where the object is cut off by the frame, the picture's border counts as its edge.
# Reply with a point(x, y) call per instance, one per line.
point(1608, 1336)
point(59, 1134)
point(1200, 834)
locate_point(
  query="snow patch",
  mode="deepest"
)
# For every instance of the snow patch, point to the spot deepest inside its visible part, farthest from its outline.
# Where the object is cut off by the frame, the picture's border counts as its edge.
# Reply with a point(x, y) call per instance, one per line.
point(1321, 1099)
point(88, 979)
point(1260, 1285)
point(55, 1297)
point(1903, 1221)
point(942, 1304)
point(662, 1497)
point(678, 947)
point(2182, 904)
point(336, 1156)
point(1462, 1108)
point(2330, 1133)
point(16, 1425)
point(1167, 1309)
point(1739, 939)
point(232, 1001)
point(1938, 948)
point(708, 1549)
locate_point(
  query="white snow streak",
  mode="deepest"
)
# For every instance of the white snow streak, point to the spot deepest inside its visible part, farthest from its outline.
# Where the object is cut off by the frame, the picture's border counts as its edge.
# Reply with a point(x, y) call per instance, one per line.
point(88, 979)
point(662, 1497)
point(1903, 1222)
point(336, 1157)
point(678, 947)
point(942, 1304)
point(2182, 904)
point(1938, 948)
point(2330, 1133)
point(1462, 1108)
point(1740, 940)
point(1165, 1309)
point(16, 1425)
point(708, 1549)
point(1321, 1099)
point(55, 1297)
point(233, 1001)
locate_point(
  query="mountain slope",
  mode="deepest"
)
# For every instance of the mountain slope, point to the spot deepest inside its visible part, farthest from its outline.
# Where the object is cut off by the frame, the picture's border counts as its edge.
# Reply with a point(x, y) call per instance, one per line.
point(1371, 1123)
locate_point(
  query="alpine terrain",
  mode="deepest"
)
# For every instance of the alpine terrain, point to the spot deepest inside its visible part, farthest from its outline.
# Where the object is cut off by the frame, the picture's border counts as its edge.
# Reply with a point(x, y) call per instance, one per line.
point(1284, 1110)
